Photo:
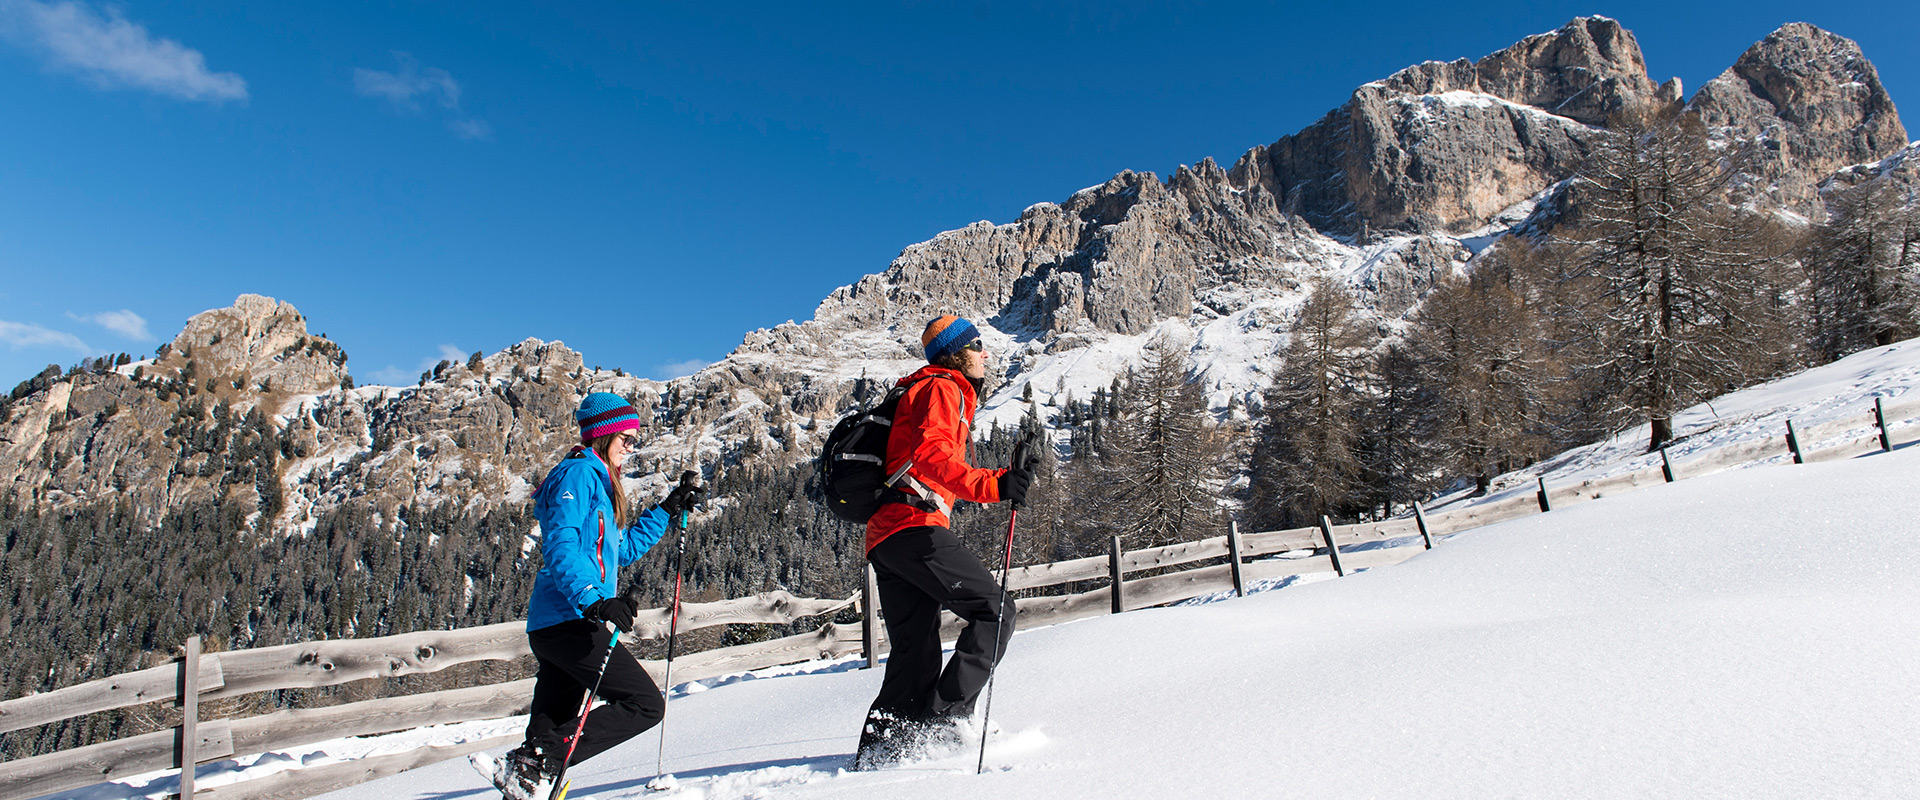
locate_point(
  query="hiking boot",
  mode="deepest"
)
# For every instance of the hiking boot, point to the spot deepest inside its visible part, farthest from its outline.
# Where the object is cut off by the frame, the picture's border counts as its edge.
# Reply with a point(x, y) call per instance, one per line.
point(889, 740)
point(941, 737)
point(885, 740)
point(527, 774)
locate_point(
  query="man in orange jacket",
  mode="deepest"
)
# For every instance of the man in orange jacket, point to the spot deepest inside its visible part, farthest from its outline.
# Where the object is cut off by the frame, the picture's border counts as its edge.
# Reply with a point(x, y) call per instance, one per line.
point(920, 567)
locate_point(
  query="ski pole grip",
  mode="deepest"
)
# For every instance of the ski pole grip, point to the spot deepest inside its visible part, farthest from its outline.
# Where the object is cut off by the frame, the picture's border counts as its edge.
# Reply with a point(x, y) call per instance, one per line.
point(689, 479)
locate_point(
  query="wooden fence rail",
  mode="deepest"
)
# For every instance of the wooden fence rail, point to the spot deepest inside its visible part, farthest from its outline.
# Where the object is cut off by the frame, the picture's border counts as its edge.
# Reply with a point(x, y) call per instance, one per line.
point(329, 663)
point(1249, 557)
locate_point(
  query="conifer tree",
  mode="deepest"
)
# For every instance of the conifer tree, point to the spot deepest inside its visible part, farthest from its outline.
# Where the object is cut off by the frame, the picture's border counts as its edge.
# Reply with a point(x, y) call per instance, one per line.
point(1480, 354)
point(1862, 267)
point(1152, 479)
point(1399, 453)
point(1307, 459)
point(1674, 296)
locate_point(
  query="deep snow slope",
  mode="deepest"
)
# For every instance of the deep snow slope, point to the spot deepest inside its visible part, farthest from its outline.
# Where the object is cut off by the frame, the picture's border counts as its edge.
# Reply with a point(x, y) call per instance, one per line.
point(1745, 634)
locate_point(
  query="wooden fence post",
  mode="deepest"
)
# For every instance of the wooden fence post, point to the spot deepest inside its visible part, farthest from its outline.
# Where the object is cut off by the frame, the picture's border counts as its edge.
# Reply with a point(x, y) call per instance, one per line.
point(1542, 496)
point(869, 637)
point(1233, 557)
point(1420, 516)
point(1666, 464)
point(1793, 443)
point(1880, 419)
point(1119, 587)
point(1333, 550)
point(189, 750)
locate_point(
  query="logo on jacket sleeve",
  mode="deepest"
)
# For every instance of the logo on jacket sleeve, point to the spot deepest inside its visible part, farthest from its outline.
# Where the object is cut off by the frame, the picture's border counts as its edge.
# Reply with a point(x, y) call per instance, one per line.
point(566, 495)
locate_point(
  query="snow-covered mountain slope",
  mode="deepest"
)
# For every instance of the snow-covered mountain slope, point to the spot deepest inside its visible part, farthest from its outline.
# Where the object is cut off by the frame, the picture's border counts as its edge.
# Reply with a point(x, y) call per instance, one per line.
point(1842, 390)
point(1745, 634)
point(1739, 634)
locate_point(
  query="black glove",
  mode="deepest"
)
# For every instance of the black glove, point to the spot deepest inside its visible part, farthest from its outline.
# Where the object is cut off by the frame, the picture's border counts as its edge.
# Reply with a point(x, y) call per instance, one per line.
point(617, 610)
point(682, 500)
point(1019, 475)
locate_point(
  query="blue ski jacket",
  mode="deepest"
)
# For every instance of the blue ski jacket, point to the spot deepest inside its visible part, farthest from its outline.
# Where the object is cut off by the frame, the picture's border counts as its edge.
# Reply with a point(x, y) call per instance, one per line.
point(581, 542)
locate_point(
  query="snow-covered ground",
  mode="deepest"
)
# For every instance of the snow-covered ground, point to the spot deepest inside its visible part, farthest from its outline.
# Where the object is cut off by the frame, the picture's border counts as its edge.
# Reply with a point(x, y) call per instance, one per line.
point(1844, 389)
point(1749, 633)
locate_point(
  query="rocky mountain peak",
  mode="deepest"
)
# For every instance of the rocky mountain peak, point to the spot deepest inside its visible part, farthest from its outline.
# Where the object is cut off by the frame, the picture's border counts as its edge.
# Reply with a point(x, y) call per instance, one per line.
point(259, 342)
point(1441, 147)
point(1806, 102)
point(1589, 70)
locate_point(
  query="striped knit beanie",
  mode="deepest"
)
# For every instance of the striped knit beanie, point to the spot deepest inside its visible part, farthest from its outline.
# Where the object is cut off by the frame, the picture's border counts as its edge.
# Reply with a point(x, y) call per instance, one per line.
point(945, 336)
point(602, 413)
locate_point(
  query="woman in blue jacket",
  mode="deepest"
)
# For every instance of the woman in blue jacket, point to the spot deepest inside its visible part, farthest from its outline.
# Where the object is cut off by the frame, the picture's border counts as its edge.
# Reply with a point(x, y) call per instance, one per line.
point(588, 533)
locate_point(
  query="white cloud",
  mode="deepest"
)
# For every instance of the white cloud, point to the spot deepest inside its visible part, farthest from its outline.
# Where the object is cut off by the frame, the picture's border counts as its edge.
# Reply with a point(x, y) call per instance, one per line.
point(391, 375)
point(471, 129)
point(414, 87)
point(123, 322)
point(111, 51)
point(409, 85)
point(667, 372)
point(18, 335)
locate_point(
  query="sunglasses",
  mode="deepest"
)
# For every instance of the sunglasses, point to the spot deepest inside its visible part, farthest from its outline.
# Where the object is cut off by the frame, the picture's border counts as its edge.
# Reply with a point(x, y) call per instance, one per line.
point(630, 441)
point(975, 345)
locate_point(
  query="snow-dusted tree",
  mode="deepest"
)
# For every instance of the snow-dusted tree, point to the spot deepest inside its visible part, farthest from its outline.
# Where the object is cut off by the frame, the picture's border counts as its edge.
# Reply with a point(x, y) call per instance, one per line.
point(1049, 522)
point(1399, 453)
point(1156, 478)
point(1306, 460)
point(1861, 270)
point(1673, 297)
point(1486, 367)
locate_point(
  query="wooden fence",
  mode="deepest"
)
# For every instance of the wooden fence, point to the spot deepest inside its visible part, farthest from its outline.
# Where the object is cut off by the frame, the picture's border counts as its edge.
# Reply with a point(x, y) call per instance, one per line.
point(197, 677)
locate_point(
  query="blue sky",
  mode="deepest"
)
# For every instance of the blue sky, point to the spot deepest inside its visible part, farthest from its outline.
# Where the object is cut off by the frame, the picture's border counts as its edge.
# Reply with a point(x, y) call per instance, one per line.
point(647, 182)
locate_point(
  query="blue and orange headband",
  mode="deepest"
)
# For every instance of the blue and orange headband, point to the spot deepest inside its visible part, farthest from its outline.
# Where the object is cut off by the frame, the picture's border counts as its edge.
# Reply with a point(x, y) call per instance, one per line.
point(945, 336)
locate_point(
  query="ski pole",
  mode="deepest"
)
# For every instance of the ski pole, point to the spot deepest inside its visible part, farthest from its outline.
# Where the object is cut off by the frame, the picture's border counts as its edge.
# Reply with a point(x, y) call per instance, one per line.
point(1000, 616)
point(586, 703)
point(690, 480)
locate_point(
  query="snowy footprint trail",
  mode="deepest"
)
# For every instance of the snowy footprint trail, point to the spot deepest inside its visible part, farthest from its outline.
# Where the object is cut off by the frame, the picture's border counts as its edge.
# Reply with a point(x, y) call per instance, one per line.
point(824, 777)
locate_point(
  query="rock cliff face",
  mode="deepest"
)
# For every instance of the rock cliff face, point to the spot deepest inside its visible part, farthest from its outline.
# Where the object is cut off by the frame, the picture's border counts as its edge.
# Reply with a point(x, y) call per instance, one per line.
point(1799, 105)
point(1901, 169)
point(246, 409)
point(260, 343)
point(1441, 147)
point(1390, 192)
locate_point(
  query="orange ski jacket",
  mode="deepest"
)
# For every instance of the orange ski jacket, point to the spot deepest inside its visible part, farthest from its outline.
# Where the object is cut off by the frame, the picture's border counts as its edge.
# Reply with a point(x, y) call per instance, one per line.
point(931, 427)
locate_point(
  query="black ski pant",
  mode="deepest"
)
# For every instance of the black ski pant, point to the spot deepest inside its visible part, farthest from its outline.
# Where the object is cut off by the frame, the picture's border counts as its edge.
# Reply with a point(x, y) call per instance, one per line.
point(917, 572)
point(569, 654)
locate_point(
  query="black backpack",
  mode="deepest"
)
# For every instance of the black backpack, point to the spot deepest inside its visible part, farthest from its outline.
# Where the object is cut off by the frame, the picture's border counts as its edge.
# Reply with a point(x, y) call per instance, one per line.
point(852, 463)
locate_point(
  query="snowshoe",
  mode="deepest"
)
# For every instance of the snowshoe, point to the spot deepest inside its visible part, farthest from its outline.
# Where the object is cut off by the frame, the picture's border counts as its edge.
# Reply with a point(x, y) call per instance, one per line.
point(889, 740)
point(883, 741)
point(521, 774)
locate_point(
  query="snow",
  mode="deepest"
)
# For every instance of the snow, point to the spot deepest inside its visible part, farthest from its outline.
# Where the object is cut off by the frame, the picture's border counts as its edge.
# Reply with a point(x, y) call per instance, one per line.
point(1842, 390)
point(1744, 634)
point(1427, 108)
point(128, 369)
point(1699, 639)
